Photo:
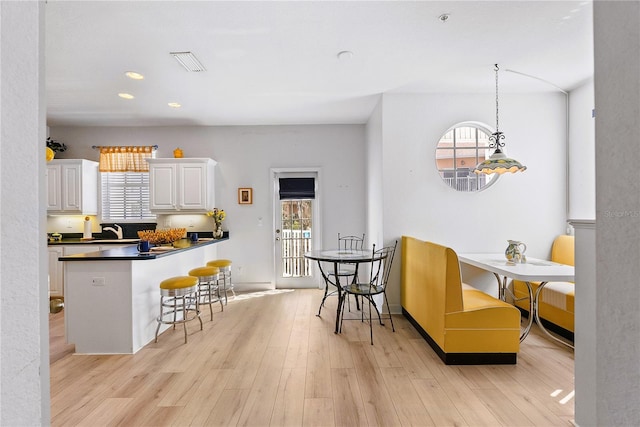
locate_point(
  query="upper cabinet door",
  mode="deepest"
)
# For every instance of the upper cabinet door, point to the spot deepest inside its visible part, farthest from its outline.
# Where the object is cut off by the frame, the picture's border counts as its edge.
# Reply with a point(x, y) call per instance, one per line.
point(72, 187)
point(181, 185)
point(163, 186)
point(54, 187)
point(193, 186)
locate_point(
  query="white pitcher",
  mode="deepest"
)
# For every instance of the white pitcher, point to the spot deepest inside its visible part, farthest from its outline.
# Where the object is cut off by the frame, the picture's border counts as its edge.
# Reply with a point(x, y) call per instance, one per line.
point(515, 251)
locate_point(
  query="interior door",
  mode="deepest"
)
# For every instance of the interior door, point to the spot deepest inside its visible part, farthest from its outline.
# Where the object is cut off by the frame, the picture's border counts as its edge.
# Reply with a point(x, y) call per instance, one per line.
point(295, 231)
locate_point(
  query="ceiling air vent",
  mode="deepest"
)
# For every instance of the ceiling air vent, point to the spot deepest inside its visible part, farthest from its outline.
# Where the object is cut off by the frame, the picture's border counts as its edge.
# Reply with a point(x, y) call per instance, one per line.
point(189, 61)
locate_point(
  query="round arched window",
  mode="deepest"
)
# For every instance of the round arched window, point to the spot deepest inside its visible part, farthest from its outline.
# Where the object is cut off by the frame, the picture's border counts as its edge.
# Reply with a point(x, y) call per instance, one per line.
point(459, 150)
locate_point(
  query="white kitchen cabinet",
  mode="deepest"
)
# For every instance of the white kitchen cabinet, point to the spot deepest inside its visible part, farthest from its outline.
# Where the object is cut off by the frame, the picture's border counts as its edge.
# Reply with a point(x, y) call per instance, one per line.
point(181, 185)
point(56, 277)
point(72, 187)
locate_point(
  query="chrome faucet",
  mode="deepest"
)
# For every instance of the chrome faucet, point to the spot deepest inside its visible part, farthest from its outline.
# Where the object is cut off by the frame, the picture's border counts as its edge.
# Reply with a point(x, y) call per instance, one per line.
point(117, 230)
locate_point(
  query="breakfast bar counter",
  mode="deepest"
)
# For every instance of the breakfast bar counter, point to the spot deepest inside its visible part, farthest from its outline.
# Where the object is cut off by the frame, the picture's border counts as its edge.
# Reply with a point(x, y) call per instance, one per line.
point(130, 252)
point(112, 296)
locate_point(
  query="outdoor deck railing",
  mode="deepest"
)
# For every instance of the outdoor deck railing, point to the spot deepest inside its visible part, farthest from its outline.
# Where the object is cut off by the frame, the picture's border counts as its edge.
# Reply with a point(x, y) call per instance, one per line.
point(294, 245)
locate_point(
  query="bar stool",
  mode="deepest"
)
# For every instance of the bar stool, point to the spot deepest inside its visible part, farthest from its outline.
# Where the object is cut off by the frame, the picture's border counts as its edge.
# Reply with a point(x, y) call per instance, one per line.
point(208, 290)
point(225, 269)
point(179, 295)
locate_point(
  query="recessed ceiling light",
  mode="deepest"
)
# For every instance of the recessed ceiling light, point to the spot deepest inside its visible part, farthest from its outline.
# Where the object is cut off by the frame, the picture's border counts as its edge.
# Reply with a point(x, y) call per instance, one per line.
point(174, 104)
point(134, 75)
point(188, 60)
point(125, 95)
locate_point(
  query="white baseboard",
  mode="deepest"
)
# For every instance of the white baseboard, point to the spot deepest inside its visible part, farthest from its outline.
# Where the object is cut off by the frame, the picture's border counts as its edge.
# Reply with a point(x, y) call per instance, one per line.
point(395, 308)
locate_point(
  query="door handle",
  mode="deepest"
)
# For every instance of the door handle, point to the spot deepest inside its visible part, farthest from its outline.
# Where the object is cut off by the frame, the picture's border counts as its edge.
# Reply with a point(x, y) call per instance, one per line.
point(277, 239)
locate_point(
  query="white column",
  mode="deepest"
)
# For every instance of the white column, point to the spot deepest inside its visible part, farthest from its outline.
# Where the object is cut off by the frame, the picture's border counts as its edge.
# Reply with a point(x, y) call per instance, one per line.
point(585, 320)
point(24, 352)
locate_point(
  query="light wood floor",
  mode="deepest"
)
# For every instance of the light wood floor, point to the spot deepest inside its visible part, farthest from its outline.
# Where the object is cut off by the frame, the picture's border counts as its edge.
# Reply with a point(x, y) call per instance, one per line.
point(268, 360)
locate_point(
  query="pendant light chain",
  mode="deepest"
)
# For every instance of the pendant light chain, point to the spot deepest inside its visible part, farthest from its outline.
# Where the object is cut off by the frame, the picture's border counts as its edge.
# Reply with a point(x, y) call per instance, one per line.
point(496, 69)
point(496, 137)
point(498, 162)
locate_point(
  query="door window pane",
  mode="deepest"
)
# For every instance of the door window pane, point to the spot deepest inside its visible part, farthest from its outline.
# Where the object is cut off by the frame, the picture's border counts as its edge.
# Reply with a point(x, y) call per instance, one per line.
point(296, 236)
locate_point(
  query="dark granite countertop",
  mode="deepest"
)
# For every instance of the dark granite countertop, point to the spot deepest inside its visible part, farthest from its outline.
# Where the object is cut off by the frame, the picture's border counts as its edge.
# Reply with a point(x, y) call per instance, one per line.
point(130, 252)
point(98, 239)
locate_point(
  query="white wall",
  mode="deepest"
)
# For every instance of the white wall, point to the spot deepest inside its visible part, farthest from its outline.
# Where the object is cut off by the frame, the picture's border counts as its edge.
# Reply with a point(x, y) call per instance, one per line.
point(582, 152)
point(24, 337)
point(419, 204)
point(245, 155)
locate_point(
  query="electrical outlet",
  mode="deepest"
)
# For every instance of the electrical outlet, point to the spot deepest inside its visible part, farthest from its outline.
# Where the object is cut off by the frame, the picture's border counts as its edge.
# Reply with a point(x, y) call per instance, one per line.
point(98, 281)
point(69, 224)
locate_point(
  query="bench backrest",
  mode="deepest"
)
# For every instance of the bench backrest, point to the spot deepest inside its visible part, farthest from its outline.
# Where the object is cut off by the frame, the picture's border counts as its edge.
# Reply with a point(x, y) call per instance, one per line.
point(563, 250)
point(431, 284)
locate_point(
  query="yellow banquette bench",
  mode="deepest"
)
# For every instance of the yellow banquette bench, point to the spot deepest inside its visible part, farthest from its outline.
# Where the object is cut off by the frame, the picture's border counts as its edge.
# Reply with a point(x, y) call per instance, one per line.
point(463, 325)
point(556, 303)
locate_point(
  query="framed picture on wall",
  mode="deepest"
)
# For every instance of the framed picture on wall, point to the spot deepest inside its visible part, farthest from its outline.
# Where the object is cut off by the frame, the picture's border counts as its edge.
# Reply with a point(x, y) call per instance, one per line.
point(245, 196)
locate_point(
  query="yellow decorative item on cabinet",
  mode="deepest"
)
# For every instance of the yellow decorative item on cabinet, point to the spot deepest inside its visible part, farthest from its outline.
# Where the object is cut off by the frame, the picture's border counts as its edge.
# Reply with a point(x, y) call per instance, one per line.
point(177, 153)
point(50, 154)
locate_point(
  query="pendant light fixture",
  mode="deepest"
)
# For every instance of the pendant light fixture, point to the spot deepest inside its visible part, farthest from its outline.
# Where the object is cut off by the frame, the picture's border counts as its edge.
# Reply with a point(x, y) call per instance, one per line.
point(498, 162)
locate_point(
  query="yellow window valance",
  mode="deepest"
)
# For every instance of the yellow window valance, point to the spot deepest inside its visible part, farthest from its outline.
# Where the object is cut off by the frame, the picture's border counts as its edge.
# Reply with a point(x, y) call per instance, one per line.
point(125, 158)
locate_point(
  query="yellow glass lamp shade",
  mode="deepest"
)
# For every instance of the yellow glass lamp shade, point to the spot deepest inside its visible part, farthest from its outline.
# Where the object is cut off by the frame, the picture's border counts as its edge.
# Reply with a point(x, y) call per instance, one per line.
point(499, 163)
point(50, 154)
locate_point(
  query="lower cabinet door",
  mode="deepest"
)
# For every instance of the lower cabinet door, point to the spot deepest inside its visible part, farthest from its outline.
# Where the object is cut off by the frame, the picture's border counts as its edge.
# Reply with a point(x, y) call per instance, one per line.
point(56, 278)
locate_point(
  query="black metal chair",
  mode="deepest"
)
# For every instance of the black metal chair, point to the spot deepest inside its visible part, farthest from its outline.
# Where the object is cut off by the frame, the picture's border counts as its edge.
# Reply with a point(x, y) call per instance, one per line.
point(348, 243)
point(345, 243)
point(377, 284)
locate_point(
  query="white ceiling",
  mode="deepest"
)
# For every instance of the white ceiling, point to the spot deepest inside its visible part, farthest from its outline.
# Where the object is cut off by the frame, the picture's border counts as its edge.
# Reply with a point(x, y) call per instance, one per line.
point(270, 62)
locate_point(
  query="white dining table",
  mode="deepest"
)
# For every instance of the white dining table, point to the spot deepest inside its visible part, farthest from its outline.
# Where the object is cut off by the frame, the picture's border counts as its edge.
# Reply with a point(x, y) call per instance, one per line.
point(533, 270)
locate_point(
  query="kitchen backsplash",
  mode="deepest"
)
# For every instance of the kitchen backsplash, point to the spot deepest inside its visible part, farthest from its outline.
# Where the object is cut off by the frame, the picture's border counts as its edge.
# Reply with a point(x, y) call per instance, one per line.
point(129, 229)
point(72, 224)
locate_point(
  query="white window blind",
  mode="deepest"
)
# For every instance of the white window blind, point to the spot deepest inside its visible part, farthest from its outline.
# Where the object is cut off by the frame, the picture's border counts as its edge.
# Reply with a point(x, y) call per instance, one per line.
point(125, 196)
